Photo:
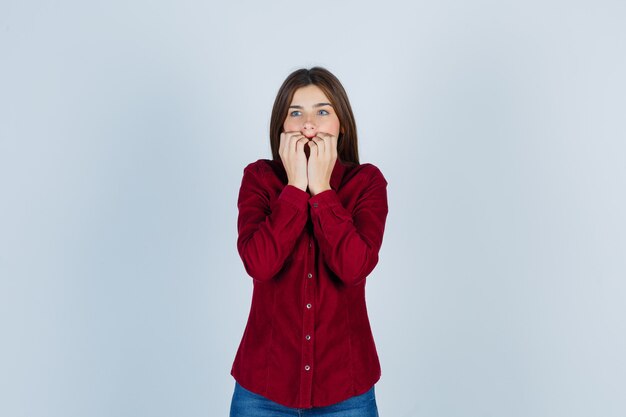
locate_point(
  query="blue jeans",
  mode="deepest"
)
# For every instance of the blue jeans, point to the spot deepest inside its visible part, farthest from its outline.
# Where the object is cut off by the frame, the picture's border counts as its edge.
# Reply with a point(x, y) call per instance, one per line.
point(248, 404)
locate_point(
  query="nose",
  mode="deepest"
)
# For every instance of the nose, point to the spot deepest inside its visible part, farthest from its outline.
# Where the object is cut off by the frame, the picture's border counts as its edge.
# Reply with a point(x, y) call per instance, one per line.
point(309, 129)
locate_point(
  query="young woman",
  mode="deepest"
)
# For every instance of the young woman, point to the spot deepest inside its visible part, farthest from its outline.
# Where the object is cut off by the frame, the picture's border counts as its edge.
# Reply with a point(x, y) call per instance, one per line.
point(310, 226)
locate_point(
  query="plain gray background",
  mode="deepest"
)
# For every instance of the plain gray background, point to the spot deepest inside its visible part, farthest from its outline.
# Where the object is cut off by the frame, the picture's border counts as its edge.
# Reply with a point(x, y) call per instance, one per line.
point(124, 130)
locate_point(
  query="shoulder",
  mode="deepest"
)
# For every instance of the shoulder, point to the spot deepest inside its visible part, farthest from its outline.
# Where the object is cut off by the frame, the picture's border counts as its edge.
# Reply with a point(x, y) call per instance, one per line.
point(260, 167)
point(366, 171)
point(264, 170)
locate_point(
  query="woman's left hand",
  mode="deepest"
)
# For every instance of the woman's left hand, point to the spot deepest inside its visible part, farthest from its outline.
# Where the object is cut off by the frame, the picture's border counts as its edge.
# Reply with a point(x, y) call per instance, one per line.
point(323, 154)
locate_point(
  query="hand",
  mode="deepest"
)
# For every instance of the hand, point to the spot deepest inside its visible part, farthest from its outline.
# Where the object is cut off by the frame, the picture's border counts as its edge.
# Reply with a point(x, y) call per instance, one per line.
point(322, 159)
point(291, 151)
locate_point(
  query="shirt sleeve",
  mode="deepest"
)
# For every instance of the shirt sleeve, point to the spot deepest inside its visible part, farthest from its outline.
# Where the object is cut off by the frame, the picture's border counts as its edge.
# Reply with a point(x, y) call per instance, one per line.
point(350, 242)
point(267, 231)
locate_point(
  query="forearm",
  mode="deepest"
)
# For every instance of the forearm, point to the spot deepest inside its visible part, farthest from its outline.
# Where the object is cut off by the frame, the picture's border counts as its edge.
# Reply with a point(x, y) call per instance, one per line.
point(350, 242)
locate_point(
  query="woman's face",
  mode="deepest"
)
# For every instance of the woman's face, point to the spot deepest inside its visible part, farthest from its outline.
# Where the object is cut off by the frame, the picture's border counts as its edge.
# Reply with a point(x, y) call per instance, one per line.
point(310, 112)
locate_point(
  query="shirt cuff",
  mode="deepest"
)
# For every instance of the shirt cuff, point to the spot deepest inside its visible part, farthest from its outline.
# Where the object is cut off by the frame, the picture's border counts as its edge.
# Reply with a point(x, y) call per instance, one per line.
point(294, 196)
point(326, 198)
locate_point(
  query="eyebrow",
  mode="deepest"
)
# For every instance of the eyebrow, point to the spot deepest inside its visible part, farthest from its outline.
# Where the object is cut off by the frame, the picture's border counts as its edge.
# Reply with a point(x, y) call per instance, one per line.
point(315, 105)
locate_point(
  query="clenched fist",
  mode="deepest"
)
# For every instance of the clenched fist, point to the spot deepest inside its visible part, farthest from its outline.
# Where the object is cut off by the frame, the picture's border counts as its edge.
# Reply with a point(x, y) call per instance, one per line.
point(291, 151)
point(321, 161)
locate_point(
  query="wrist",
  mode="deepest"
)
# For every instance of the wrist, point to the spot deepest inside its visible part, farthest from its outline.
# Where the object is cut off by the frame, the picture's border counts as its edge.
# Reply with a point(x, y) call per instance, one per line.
point(300, 186)
point(319, 189)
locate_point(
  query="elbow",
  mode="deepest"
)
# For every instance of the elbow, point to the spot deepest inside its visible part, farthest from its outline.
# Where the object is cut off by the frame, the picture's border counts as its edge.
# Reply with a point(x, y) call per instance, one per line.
point(355, 272)
point(257, 267)
point(256, 264)
point(259, 273)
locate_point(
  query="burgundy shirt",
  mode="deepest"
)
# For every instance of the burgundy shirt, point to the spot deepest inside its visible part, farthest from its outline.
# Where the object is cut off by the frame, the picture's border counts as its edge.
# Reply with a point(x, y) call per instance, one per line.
point(308, 341)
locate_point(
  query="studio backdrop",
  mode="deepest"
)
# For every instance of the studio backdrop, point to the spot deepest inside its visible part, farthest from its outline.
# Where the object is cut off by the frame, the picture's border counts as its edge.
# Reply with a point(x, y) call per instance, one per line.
point(499, 126)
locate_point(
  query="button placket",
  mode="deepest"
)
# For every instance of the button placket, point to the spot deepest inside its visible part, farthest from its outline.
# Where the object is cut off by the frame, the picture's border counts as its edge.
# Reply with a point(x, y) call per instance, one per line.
point(306, 377)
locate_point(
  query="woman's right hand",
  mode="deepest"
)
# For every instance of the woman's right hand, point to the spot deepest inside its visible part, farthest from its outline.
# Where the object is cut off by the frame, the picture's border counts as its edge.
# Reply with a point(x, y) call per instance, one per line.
point(291, 151)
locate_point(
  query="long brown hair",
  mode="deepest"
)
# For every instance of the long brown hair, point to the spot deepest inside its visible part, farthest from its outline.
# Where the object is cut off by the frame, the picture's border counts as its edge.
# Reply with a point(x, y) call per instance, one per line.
point(347, 145)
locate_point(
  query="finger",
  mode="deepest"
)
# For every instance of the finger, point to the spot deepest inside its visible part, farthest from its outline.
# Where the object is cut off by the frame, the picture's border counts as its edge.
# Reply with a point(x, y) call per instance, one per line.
point(327, 135)
point(286, 141)
point(321, 144)
point(324, 135)
point(300, 144)
point(281, 146)
point(313, 147)
point(330, 141)
point(293, 138)
point(333, 145)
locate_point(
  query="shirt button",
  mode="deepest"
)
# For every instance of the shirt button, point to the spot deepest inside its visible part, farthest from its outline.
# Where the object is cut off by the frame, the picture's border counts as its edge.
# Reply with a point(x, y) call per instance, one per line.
point(310, 244)
point(307, 337)
point(310, 275)
point(314, 204)
point(307, 367)
point(309, 305)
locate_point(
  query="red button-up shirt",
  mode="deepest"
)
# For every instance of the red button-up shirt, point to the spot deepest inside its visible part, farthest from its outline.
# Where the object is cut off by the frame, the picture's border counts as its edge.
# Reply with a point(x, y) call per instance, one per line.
point(308, 341)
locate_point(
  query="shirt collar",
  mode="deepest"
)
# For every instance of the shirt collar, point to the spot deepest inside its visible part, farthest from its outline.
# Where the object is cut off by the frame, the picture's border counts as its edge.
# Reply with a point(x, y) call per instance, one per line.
point(335, 177)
